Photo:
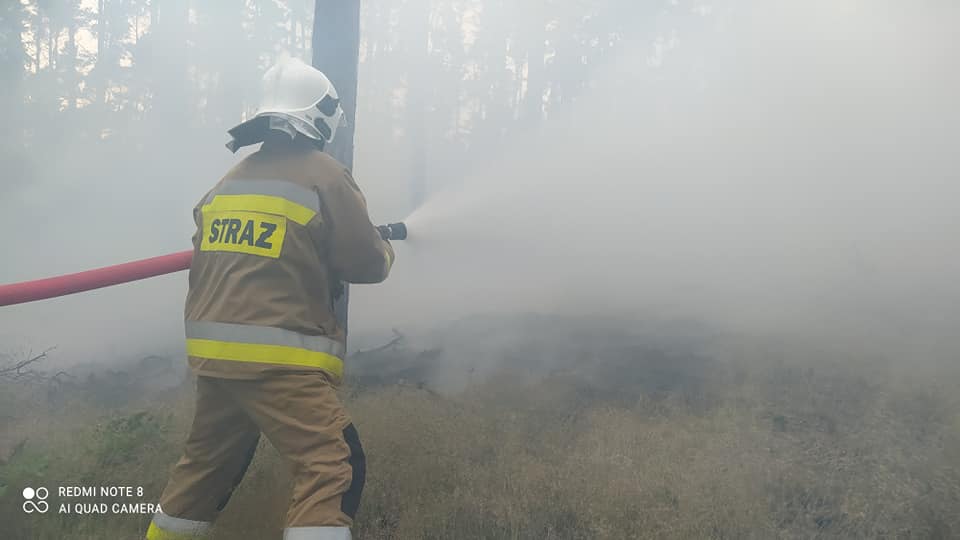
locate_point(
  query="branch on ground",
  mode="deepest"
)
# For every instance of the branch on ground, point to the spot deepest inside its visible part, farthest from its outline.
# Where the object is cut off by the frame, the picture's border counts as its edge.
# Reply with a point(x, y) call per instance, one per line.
point(398, 338)
point(422, 386)
point(24, 370)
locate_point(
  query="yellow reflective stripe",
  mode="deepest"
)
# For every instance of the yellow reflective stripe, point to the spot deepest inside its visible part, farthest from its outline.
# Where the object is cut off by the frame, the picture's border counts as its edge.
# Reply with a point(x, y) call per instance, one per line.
point(264, 354)
point(301, 195)
point(156, 533)
point(267, 204)
point(261, 335)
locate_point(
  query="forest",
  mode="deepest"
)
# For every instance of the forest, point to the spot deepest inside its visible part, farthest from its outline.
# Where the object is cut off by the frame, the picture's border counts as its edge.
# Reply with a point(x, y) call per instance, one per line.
point(445, 81)
point(677, 268)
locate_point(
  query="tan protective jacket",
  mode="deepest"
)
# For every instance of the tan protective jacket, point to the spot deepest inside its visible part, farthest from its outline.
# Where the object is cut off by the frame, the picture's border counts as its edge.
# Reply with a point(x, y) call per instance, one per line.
point(274, 239)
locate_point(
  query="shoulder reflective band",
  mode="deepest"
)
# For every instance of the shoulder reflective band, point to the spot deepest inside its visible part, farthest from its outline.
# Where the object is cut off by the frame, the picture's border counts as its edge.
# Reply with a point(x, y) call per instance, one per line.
point(264, 345)
point(279, 197)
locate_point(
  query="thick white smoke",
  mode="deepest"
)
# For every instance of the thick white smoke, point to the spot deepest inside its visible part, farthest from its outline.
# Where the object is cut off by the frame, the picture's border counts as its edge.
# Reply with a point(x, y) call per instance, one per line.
point(803, 183)
point(790, 168)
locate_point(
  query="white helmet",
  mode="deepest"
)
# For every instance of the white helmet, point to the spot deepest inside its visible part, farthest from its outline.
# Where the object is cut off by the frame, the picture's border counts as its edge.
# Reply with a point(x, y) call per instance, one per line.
point(295, 98)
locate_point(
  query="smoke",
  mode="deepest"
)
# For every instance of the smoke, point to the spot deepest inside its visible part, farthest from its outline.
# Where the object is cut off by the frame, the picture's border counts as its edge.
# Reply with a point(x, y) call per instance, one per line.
point(802, 183)
point(789, 168)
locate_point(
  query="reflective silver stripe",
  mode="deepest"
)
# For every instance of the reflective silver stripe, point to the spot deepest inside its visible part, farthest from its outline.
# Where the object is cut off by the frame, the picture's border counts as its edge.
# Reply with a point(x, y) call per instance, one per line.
point(179, 525)
point(262, 335)
point(277, 188)
point(316, 533)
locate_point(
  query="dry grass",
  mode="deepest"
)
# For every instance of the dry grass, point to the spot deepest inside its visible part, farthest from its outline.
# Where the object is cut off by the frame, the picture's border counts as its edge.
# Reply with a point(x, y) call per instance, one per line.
point(630, 443)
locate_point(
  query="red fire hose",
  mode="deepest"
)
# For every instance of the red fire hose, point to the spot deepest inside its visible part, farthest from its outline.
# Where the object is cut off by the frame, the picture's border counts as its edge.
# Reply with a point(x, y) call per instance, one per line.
point(29, 291)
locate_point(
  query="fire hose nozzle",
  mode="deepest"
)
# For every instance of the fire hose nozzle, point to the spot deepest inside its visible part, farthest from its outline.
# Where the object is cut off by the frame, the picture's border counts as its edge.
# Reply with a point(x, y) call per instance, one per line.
point(393, 231)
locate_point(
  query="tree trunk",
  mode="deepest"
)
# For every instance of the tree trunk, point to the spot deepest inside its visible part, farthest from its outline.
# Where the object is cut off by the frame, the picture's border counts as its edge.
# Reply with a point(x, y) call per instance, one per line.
point(101, 51)
point(36, 40)
point(51, 47)
point(532, 109)
point(415, 25)
point(72, 92)
point(336, 52)
point(101, 27)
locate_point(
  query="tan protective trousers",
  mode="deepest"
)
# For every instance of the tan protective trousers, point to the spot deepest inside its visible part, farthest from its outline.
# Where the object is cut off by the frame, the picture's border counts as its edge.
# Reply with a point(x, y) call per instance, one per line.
point(302, 417)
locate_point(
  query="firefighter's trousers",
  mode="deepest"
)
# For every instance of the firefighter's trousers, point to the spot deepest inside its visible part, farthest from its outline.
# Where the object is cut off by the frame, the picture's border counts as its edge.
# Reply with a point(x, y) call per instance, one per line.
point(303, 419)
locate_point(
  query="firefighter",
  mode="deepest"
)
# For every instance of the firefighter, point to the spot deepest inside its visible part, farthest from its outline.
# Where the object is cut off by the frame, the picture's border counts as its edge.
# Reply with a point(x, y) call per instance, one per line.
point(275, 239)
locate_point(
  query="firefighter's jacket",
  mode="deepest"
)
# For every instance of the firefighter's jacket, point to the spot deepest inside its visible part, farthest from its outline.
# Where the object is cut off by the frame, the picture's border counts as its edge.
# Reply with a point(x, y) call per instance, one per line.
point(275, 237)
